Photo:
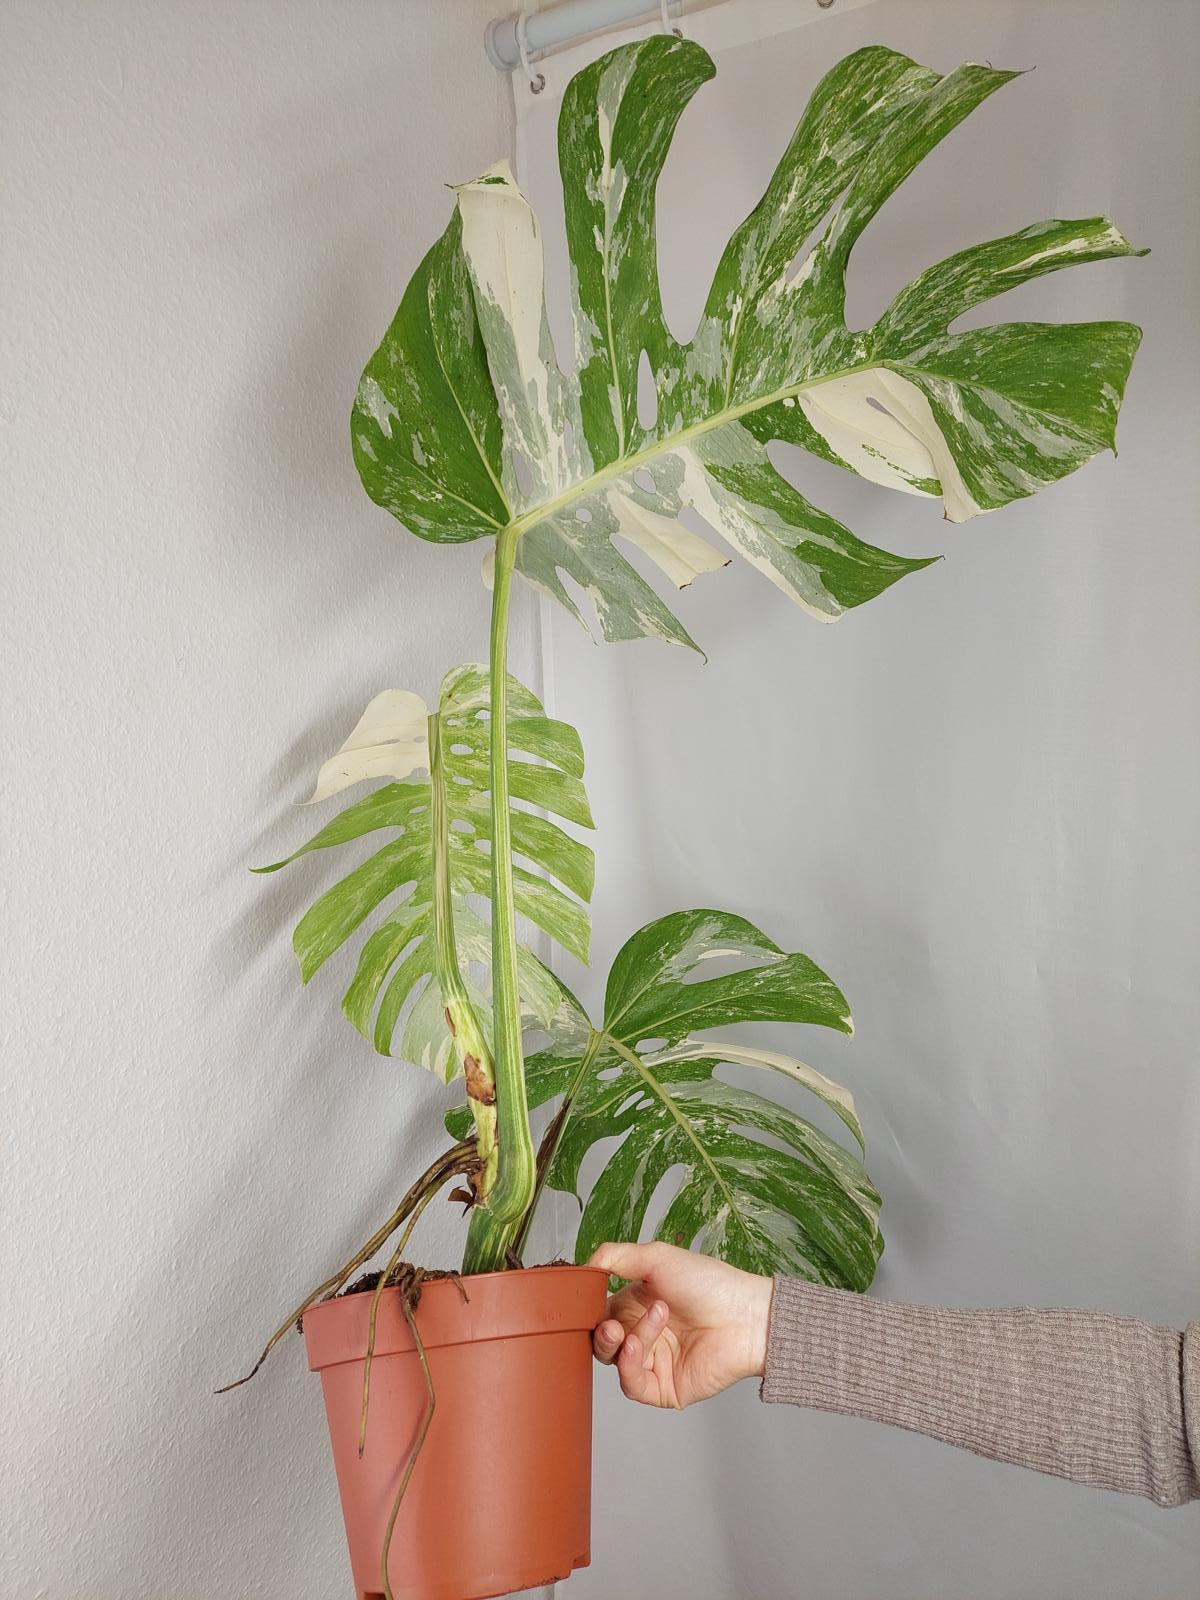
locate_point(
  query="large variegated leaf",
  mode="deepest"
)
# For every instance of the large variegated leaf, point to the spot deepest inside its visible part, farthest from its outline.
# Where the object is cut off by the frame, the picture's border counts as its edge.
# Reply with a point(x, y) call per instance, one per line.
point(464, 421)
point(762, 1186)
point(435, 867)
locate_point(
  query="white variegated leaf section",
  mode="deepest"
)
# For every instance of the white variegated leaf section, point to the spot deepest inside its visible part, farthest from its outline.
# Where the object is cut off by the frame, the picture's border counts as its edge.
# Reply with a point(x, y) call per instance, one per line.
point(857, 417)
point(679, 553)
point(538, 407)
point(838, 1098)
point(389, 740)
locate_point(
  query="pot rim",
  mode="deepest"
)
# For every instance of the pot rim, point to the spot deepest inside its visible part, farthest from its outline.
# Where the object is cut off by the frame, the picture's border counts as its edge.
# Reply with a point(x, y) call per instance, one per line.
point(528, 1302)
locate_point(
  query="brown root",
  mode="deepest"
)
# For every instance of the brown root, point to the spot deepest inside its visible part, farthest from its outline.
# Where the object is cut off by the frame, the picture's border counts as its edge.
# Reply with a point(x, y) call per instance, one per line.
point(408, 1305)
point(459, 1161)
point(403, 1275)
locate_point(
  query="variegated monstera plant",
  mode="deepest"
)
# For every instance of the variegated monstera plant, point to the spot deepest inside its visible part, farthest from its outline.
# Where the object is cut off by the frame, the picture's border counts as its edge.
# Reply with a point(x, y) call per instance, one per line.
point(466, 427)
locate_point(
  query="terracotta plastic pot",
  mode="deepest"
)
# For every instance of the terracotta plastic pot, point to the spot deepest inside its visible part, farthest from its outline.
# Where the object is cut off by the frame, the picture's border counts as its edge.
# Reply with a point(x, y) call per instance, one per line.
point(500, 1498)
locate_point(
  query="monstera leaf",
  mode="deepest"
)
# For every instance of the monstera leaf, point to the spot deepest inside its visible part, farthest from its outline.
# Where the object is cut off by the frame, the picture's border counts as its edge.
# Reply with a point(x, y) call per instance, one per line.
point(800, 1203)
point(438, 810)
point(464, 423)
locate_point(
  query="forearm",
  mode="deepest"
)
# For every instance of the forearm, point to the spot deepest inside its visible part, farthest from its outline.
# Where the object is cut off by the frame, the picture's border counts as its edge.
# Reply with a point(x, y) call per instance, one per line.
point(1102, 1400)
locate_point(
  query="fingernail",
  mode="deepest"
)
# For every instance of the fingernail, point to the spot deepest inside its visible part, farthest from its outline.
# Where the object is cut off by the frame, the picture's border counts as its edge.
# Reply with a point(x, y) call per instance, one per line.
point(659, 1311)
point(630, 1348)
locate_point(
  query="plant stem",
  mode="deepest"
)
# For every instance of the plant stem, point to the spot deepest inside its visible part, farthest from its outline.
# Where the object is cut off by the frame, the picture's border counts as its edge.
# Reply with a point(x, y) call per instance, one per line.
point(511, 1175)
point(488, 1242)
point(470, 1045)
point(513, 1190)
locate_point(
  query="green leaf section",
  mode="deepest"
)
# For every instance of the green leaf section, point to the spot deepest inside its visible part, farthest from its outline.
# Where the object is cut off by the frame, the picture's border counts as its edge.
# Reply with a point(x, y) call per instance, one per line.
point(656, 988)
point(761, 1186)
point(467, 377)
point(425, 430)
point(441, 827)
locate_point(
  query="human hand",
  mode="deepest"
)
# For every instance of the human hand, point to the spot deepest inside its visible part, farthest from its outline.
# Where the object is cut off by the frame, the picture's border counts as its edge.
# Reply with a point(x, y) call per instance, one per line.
point(686, 1327)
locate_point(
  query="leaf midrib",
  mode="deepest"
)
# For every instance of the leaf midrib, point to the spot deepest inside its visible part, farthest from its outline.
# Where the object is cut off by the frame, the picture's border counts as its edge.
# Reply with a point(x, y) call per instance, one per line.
point(673, 1110)
point(662, 447)
point(467, 424)
point(613, 355)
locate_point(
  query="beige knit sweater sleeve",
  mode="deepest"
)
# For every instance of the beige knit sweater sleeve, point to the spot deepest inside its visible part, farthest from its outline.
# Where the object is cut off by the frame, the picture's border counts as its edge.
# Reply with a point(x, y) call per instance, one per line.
point(1103, 1400)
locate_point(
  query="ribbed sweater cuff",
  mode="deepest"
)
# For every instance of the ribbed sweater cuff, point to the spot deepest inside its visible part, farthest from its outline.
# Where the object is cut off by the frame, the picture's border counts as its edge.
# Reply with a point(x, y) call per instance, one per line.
point(1103, 1400)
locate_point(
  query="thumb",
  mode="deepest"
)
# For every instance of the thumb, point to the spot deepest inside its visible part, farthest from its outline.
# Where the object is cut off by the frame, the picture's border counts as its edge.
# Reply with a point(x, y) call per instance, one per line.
point(630, 1261)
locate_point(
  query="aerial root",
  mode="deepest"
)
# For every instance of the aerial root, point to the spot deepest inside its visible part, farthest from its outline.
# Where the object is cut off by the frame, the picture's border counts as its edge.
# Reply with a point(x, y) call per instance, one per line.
point(460, 1160)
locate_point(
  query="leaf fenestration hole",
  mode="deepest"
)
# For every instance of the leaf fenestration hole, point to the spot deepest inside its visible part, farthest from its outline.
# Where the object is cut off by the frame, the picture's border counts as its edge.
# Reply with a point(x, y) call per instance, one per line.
point(644, 479)
point(647, 392)
point(665, 1191)
point(724, 963)
point(582, 601)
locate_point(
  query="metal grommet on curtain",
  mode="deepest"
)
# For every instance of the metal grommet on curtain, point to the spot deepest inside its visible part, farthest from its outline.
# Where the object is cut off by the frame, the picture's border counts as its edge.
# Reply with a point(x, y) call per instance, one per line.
point(664, 7)
point(537, 80)
point(824, 4)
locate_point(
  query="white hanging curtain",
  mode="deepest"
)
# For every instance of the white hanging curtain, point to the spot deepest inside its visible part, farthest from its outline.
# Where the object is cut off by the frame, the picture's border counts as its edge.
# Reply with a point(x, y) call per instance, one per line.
point(975, 802)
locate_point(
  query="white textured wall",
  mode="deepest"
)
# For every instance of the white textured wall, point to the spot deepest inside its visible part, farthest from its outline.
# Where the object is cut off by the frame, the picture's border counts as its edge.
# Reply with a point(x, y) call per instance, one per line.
point(210, 211)
point(975, 801)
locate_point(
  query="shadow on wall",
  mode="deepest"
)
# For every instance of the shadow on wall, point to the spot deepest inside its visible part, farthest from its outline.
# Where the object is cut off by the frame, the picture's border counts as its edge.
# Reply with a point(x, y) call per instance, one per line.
point(287, 511)
point(291, 530)
point(251, 1250)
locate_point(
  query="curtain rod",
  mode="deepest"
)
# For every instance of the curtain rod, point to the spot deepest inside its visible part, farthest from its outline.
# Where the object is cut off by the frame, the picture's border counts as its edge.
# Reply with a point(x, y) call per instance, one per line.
point(561, 24)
